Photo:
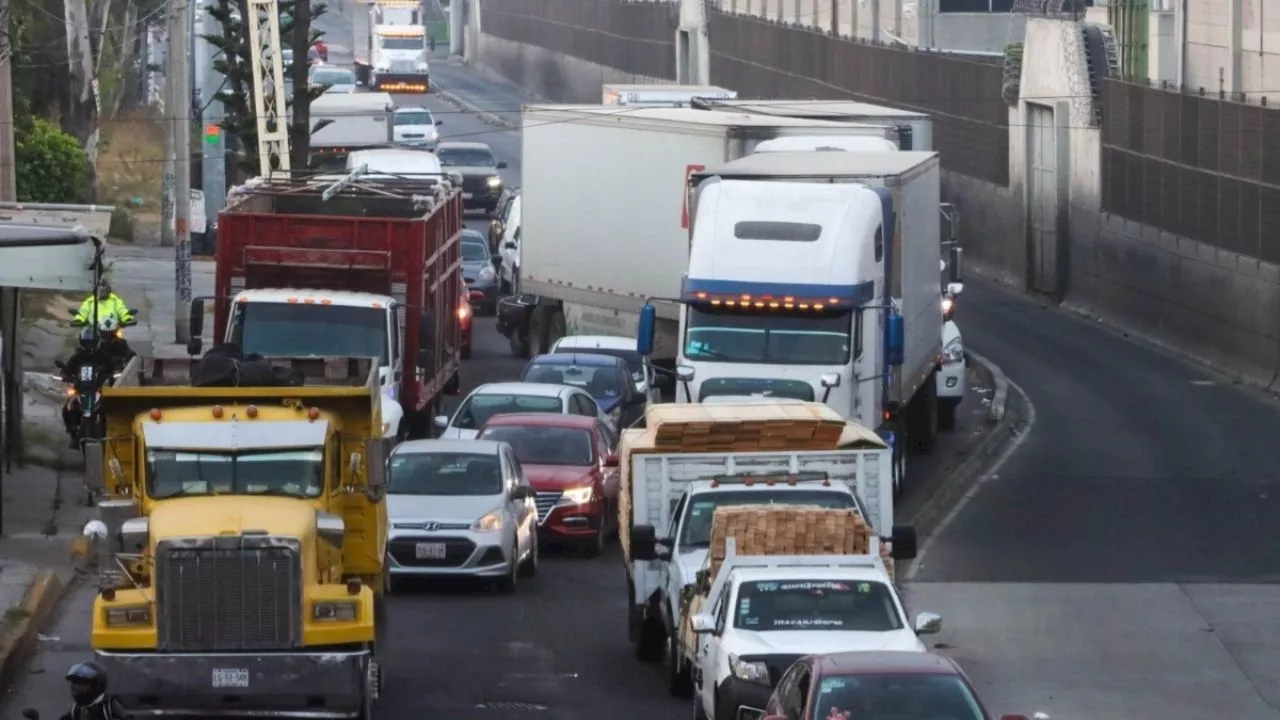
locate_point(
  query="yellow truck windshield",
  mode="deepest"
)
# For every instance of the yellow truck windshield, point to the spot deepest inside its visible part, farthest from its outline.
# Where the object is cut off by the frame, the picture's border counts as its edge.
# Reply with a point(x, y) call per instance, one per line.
point(289, 473)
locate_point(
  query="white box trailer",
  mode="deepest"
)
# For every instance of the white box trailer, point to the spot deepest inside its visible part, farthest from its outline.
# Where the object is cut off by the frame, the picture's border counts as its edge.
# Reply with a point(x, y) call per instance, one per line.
point(662, 95)
point(915, 129)
point(604, 219)
point(356, 121)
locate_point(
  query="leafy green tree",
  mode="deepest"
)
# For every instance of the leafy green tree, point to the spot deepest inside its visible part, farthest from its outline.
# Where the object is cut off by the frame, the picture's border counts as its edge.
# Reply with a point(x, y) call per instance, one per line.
point(50, 163)
point(233, 62)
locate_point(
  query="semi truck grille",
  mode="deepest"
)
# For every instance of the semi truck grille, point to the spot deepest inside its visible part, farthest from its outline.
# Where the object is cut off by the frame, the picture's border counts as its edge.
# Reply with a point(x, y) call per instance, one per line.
point(545, 501)
point(212, 597)
point(403, 66)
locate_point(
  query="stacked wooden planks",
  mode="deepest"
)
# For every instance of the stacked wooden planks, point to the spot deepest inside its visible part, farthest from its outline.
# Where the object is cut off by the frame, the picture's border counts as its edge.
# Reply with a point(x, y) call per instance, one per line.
point(787, 530)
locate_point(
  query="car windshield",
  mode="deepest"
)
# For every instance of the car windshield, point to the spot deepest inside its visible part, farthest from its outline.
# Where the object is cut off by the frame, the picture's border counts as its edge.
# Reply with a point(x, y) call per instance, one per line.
point(755, 336)
point(394, 43)
point(475, 251)
point(895, 697)
point(635, 363)
point(414, 117)
point(546, 445)
point(696, 531)
point(601, 382)
point(332, 76)
point(463, 157)
point(816, 605)
point(444, 474)
point(299, 330)
point(477, 409)
point(290, 473)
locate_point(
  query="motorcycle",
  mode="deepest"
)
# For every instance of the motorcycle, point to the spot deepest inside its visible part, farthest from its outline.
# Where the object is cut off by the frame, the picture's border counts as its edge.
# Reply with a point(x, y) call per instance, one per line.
point(84, 391)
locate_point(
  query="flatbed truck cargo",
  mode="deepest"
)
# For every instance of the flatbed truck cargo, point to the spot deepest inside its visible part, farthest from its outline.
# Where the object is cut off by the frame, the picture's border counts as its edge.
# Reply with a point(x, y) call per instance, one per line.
point(242, 533)
point(914, 129)
point(590, 273)
point(814, 275)
point(672, 482)
point(373, 270)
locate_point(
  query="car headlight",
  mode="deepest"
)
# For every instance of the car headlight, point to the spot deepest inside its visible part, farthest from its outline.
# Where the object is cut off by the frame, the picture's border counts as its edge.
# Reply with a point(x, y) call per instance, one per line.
point(485, 274)
point(492, 522)
point(577, 495)
point(948, 305)
point(953, 351)
point(495, 182)
point(423, 67)
point(129, 615)
point(334, 611)
point(749, 671)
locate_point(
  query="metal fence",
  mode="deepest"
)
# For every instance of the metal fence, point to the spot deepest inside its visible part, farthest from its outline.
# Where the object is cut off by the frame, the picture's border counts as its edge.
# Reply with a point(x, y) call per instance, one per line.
point(1204, 168)
point(762, 58)
point(636, 37)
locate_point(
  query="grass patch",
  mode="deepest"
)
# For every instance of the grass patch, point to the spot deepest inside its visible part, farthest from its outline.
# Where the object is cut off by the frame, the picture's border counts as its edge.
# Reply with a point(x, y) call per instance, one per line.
point(131, 169)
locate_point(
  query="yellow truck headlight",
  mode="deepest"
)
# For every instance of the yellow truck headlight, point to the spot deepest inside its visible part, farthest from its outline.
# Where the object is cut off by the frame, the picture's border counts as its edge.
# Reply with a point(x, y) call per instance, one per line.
point(128, 615)
point(334, 611)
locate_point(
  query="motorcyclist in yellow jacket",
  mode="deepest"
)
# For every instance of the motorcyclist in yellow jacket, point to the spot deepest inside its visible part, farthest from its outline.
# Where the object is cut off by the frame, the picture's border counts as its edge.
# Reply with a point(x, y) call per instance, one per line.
point(108, 304)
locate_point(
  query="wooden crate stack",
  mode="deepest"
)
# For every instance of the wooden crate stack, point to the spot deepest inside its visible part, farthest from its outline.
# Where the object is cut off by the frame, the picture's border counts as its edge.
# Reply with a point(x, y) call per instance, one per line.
point(694, 607)
point(787, 530)
point(744, 428)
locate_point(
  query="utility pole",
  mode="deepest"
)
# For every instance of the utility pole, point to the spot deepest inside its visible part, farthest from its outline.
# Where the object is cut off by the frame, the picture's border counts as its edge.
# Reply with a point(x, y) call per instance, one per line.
point(213, 167)
point(10, 322)
point(173, 68)
point(456, 11)
point(182, 97)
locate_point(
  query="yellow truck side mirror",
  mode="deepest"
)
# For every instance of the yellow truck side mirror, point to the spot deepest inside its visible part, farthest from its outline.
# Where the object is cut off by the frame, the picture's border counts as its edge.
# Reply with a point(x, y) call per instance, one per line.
point(375, 454)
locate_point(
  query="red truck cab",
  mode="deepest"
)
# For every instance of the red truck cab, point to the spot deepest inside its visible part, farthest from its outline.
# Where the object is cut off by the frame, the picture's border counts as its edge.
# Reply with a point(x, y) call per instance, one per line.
point(568, 461)
point(368, 267)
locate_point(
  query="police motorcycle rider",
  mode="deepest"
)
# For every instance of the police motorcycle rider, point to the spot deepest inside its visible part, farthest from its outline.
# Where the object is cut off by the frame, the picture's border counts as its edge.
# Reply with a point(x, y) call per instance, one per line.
point(89, 697)
point(100, 308)
point(101, 346)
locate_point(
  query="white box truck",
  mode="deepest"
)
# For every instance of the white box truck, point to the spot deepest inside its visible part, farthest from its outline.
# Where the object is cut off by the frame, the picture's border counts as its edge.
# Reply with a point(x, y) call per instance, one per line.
point(662, 95)
point(814, 275)
point(356, 121)
point(604, 221)
point(915, 130)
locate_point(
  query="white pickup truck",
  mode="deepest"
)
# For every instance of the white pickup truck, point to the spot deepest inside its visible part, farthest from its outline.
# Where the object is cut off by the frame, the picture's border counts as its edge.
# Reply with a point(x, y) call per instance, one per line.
point(765, 612)
point(679, 492)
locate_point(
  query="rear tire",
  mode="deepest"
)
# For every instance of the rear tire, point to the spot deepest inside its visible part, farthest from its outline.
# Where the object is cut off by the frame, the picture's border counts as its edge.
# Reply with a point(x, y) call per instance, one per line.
point(650, 645)
point(679, 680)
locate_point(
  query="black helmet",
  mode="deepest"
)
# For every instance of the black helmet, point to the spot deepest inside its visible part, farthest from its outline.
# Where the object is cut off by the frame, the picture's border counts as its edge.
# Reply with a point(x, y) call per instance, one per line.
point(88, 682)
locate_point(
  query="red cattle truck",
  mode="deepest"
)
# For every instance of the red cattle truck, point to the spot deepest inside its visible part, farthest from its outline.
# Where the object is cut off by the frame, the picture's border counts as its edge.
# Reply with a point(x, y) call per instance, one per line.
point(366, 267)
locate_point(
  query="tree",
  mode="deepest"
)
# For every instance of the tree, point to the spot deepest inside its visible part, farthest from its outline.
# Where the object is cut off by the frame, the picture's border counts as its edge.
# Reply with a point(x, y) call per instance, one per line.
point(237, 94)
point(50, 163)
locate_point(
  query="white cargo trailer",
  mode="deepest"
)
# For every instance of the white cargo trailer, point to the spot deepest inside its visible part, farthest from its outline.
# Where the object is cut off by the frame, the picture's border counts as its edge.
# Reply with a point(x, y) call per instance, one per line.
point(356, 121)
point(662, 95)
point(604, 219)
point(915, 129)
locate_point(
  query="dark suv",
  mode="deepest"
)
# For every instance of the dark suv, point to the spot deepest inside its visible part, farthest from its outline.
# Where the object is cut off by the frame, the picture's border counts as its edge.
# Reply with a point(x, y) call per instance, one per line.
point(481, 183)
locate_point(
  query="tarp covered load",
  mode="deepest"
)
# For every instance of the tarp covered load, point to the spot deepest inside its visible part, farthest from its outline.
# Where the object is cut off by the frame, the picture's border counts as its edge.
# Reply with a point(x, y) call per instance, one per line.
point(227, 366)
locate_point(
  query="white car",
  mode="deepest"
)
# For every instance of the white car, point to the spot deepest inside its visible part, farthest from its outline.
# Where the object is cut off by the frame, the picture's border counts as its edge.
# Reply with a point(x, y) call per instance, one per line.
point(623, 347)
point(516, 397)
point(460, 508)
point(951, 373)
point(509, 247)
point(765, 617)
point(415, 127)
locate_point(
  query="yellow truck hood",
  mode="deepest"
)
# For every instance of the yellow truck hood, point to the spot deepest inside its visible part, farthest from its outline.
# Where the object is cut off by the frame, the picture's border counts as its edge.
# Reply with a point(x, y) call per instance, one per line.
point(231, 515)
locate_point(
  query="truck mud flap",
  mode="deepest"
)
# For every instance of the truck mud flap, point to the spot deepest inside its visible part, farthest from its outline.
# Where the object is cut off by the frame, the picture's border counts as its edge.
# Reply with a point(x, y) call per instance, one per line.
point(513, 315)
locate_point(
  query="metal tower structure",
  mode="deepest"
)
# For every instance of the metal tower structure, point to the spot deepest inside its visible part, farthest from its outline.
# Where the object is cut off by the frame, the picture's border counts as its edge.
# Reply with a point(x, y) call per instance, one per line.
point(269, 104)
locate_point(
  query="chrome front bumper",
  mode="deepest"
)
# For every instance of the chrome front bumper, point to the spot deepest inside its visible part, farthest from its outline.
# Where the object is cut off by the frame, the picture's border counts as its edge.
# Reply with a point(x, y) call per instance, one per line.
point(279, 685)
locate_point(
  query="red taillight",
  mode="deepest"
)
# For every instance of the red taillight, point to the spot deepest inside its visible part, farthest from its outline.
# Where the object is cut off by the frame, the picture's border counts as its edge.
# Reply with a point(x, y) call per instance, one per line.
point(464, 311)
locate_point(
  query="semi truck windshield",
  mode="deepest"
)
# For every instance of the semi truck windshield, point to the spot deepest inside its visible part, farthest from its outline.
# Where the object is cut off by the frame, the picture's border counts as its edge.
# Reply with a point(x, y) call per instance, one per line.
point(292, 473)
point(749, 336)
point(296, 330)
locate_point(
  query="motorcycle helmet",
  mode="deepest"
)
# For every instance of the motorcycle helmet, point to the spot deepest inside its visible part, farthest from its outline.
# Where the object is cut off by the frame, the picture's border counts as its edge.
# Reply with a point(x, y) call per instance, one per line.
point(88, 682)
point(86, 337)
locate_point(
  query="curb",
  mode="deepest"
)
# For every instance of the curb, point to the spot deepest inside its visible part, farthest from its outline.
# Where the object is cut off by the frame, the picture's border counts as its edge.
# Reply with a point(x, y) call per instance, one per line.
point(484, 115)
point(1004, 422)
point(17, 639)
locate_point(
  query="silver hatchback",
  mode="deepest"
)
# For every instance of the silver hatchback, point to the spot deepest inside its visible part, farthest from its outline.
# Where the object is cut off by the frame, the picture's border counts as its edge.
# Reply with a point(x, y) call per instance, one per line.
point(460, 508)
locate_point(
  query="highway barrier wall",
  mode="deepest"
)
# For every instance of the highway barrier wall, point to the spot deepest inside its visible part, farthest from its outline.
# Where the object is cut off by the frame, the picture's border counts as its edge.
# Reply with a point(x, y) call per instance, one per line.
point(1154, 210)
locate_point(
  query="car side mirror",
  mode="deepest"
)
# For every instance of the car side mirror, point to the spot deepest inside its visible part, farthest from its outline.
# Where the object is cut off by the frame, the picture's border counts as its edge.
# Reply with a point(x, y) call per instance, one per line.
point(703, 623)
point(509, 245)
point(928, 623)
point(439, 123)
point(502, 165)
point(611, 461)
point(441, 421)
point(644, 543)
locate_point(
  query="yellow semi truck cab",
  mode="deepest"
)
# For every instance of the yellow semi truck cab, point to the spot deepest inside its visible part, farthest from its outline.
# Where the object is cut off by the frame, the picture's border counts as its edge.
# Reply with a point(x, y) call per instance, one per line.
point(243, 534)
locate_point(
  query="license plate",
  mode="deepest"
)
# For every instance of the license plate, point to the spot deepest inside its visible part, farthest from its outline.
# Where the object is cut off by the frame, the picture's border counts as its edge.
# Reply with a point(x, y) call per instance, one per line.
point(86, 372)
point(231, 677)
point(429, 551)
point(468, 196)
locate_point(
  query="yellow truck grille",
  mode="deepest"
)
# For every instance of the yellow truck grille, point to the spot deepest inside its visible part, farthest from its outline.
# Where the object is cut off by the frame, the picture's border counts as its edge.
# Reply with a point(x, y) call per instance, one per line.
point(229, 594)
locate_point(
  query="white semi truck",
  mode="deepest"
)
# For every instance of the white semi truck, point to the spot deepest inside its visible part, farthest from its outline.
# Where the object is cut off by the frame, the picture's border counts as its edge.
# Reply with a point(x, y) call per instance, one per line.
point(591, 272)
point(814, 275)
point(390, 46)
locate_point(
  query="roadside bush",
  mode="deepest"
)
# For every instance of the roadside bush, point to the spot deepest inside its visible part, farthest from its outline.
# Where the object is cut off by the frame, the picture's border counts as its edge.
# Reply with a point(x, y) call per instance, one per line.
point(122, 224)
point(50, 164)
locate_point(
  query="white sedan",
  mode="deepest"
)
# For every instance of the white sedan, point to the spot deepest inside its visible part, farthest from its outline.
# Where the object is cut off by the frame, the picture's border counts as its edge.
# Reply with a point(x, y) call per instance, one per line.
point(515, 397)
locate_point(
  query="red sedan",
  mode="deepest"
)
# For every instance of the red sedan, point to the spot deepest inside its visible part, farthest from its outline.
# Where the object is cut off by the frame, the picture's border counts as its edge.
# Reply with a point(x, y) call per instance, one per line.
point(568, 461)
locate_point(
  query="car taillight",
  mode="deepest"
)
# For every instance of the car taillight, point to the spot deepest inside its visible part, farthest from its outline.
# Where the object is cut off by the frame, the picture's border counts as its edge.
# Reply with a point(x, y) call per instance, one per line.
point(464, 311)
